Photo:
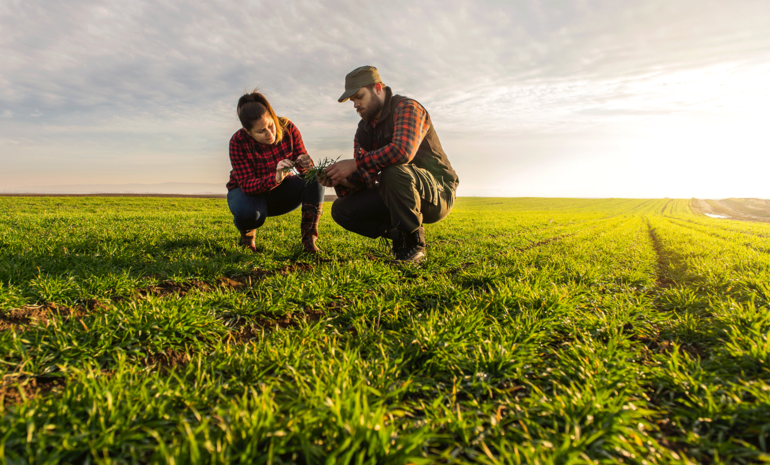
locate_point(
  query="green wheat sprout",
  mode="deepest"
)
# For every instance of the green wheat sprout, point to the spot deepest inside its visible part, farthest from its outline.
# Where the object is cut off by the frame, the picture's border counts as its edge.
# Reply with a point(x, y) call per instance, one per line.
point(317, 172)
point(314, 173)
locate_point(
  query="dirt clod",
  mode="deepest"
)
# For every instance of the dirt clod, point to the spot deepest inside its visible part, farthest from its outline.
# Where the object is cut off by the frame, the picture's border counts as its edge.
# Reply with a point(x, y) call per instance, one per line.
point(168, 359)
point(27, 315)
point(14, 392)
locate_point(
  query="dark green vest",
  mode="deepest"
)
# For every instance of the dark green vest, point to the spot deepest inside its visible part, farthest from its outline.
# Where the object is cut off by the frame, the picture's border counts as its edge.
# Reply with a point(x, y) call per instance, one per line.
point(429, 156)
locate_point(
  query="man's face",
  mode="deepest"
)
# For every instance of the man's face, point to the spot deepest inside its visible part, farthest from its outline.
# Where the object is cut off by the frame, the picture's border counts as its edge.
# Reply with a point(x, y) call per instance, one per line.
point(367, 103)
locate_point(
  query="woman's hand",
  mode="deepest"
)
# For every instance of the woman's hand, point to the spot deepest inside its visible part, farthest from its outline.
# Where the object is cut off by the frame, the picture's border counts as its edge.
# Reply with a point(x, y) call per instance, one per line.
point(283, 169)
point(304, 162)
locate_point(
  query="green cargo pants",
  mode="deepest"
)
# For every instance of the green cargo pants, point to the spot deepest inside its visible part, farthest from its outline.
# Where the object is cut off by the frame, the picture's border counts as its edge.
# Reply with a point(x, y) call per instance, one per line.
point(406, 197)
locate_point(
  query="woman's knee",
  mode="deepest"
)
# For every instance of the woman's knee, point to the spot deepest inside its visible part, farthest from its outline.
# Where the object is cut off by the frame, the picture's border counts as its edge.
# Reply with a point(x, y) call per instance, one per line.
point(313, 192)
point(246, 210)
point(249, 220)
point(249, 215)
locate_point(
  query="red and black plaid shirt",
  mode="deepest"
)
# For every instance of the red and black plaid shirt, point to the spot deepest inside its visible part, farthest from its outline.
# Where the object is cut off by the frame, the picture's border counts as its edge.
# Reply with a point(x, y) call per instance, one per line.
point(411, 125)
point(254, 164)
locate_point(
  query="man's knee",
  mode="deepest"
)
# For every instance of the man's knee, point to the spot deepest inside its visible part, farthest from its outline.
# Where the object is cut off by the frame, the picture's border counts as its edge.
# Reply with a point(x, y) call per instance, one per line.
point(396, 176)
point(340, 212)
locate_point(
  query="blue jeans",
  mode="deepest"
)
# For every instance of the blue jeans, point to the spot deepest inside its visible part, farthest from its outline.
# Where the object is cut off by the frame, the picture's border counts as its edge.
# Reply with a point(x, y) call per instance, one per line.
point(250, 211)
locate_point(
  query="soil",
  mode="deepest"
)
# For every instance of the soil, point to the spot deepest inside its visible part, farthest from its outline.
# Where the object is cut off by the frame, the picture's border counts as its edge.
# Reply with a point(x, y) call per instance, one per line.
point(24, 316)
point(165, 288)
point(11, 391)
point(734, 209)
point(662, 281)
point(168, 359)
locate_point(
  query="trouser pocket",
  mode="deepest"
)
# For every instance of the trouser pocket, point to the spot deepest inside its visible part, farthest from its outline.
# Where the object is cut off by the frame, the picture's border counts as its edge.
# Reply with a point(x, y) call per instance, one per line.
point(427, 186)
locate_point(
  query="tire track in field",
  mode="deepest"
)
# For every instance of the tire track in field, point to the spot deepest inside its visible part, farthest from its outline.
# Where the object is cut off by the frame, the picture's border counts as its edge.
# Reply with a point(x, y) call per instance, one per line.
point(662, 283)
point(662, 280)
point(663, 210)
point(657, 344)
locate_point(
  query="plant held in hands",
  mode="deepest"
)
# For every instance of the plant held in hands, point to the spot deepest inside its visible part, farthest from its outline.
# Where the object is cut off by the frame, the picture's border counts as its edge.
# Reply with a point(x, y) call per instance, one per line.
point(317, 171)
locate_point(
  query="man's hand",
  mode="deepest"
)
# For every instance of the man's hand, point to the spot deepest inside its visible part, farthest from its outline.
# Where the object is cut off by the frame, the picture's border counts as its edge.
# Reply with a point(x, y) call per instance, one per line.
point(325, 181)
point(340, 171)
point(283, 169)
point(304, 161)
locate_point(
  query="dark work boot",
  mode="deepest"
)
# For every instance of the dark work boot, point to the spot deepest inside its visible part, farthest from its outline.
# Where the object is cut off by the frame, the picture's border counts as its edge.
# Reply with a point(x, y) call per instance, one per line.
point(398, 240)
point(415, 247)
point(247, 239)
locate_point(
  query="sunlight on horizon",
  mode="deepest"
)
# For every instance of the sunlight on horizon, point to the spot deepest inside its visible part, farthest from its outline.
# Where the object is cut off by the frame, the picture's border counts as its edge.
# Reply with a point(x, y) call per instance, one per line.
point(597, 99)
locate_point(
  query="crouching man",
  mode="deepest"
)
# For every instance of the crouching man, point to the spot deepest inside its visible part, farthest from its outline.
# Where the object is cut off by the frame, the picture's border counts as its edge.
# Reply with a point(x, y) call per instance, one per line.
point(400, 176)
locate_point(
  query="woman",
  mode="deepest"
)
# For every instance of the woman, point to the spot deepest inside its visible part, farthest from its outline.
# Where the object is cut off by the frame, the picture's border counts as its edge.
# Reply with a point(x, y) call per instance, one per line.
point(261, 185)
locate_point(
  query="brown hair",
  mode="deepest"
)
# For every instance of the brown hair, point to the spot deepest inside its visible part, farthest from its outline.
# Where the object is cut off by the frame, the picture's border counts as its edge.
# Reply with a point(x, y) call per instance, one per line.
point(372, 86)
point(252, 107)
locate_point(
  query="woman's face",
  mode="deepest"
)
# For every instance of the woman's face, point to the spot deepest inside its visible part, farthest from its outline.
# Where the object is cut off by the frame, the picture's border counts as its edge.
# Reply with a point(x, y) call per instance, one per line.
point(263, 130)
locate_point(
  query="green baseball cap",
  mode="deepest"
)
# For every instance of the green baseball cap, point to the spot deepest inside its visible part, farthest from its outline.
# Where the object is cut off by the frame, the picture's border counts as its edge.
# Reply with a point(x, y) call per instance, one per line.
point(359, 78)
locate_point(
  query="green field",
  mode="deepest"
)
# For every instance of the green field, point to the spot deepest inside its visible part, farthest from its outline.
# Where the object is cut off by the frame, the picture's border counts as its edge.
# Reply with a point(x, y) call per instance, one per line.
point(134, 330)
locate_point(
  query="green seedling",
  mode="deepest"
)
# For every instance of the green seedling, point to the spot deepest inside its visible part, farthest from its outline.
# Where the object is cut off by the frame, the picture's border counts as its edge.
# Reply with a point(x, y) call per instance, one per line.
point(317, 172)
point(133, 330)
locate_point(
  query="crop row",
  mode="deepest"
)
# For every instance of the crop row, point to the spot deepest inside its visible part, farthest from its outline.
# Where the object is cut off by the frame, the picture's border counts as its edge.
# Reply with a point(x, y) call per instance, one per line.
point(538, 330)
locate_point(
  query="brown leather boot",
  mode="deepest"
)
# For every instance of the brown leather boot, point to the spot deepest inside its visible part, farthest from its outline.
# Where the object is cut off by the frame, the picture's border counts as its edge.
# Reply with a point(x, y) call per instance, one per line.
point(311, 216)
point(247, 239)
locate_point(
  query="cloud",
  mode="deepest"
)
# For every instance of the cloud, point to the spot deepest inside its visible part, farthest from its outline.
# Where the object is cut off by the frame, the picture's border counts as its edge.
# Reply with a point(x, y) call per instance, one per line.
point(105, 75)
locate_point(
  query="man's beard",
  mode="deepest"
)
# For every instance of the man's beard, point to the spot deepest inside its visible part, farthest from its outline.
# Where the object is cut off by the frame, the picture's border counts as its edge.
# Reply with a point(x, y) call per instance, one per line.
point(370, 113)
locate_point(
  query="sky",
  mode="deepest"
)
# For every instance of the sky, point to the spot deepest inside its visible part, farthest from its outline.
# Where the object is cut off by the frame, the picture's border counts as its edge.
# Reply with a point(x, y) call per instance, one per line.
point(548, 98)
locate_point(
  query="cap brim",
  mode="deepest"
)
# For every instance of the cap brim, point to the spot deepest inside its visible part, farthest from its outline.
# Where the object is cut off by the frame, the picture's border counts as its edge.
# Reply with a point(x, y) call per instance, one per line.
point(347, 95)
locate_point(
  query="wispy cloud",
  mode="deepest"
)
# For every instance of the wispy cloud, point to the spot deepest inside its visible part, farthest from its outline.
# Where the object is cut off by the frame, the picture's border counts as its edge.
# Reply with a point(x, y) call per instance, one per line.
point(124, 80)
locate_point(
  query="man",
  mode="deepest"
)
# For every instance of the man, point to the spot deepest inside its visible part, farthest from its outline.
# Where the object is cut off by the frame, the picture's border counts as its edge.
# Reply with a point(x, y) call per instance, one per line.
point(400, 176)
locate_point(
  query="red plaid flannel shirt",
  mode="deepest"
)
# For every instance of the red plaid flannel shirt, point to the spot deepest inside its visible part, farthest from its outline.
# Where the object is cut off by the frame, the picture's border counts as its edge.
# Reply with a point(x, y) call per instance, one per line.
point(254, 164)
point(411, 125)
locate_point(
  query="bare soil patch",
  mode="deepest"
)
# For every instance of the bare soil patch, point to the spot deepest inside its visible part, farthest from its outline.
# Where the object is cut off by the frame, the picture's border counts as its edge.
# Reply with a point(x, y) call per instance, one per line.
point(168, 359)
point(24, 316)
point(15, 391)
point(734, 209)
point(242, 281)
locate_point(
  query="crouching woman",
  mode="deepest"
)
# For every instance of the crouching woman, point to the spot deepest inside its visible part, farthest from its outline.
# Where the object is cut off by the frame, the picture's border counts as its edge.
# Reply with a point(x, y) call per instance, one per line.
point(261, 185)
